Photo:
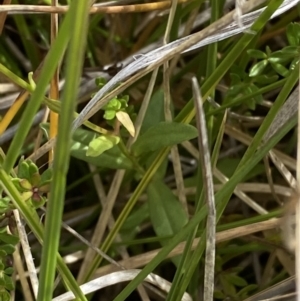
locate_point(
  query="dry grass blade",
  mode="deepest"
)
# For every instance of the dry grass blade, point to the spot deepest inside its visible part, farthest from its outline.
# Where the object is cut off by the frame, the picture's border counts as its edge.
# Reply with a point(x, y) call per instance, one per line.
point(209, 194)
point(288, 110)
point(118, 277)
point(143, 259)
point(276, 290)
point(32, 272)
point(288, 176)
point(22, 276)
point(246, 139)
point(95, 9)
point(243, 196)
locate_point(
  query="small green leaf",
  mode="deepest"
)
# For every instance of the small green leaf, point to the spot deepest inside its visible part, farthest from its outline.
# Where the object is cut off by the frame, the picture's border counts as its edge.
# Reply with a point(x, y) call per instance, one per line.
point(4, 205)
point(258, 68)
point(24, 183)
point(219, 295)
point(236, 280)
point(84, 136)
point(155, 111)
point(228, 288)
point(293, 34)
point(293, 50)
point(9, 271)
point(35, 179)
point(166, 213)
point(4, 295)
point(100, 82)
point(9, 239)
point(33, 169)
point(265, 79)
point(280, 69)
point(163, 134)
point(109, 114)
point(7, 248)
point(124, 101)
point(9, 285)
point(294, 63)
point(46, 176)
point(235, 90)
point(44, 188)
point(23, 170)
point(26, 195)
point(112, 158)
point(281, 56)
point(101, 144)
point(2, 253)
point(113, 104)
point(244, 292)
point(257, 54)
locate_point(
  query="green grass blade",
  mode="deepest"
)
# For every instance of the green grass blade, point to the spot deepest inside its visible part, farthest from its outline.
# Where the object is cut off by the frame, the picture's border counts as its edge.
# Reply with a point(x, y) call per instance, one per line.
point(79, 12)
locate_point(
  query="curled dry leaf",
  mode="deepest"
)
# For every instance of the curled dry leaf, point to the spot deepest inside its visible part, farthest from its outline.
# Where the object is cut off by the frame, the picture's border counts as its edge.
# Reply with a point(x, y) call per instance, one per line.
point(124, 118)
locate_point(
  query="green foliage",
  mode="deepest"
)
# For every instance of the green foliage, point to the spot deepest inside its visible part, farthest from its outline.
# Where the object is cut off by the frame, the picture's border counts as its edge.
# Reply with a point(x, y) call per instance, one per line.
point(7, 248)
point(118, 103)
point(268, 68)
point(281, 61)
point(155, 111)
point(31, 184)
point(230, 284)
point(111, 158)
point(242, 84)
point(166, 213)
point(101, 144)
point(163, 134)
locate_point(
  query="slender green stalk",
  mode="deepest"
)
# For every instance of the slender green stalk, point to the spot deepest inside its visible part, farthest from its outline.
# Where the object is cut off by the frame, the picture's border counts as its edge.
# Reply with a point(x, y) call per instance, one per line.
point(79, 12)
point(14, 78)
